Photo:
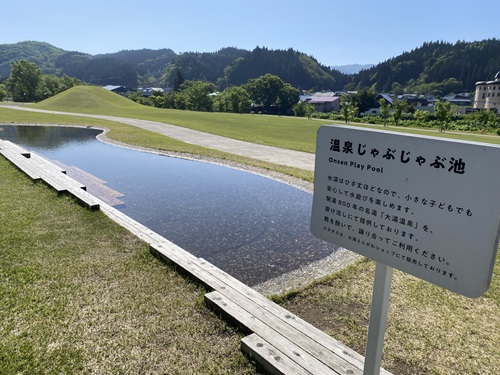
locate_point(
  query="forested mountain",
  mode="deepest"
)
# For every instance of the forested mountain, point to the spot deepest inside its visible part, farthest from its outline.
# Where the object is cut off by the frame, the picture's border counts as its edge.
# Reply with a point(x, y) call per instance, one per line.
point(150, 64)
point(434, 67)
point(207, 66)
point(129, 68)
point(295, 68)
point(437, 66)
point(42, 54)
point(234, 67)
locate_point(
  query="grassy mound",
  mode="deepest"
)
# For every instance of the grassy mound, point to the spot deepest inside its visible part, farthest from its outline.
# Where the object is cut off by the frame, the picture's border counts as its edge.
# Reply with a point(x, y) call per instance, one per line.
point(87, 99)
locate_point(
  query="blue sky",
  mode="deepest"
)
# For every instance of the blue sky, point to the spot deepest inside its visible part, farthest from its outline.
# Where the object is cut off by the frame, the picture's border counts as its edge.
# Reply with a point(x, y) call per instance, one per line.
point(334, 32)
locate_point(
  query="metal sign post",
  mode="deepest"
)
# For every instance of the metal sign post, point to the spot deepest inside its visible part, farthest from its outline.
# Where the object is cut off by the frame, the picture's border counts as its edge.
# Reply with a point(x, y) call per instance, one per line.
point(378, 319)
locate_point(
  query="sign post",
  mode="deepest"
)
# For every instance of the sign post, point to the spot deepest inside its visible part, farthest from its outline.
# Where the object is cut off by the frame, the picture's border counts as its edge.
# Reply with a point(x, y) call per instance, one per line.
point(426, 206)
point(378, 319)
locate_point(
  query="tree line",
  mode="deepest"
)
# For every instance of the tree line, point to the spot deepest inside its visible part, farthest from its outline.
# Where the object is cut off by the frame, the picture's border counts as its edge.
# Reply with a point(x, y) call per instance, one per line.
point(265, 94)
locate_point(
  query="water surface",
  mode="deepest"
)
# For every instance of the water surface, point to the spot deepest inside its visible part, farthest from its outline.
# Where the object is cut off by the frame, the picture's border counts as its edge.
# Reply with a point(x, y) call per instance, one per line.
point(252, 227)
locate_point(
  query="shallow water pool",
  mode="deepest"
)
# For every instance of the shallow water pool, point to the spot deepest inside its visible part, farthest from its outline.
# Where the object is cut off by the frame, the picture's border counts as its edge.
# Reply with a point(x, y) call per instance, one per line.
point(252, 227)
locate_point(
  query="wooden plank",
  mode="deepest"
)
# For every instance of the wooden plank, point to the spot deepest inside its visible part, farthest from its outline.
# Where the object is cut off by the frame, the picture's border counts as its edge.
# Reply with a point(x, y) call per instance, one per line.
point(309, 330)
point(93, 184)
point(85, 198)
point(74, 171)
point(22, 165)
point(320, 350)
point(39, 168)
point(219, 302)
point(46, 164)
point(270, 308)
point(269, 358)
point(35, 166)
point(335, 355)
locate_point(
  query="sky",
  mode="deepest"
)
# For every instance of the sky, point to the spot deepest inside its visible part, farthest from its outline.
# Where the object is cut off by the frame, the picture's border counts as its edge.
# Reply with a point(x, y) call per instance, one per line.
point(334, 32)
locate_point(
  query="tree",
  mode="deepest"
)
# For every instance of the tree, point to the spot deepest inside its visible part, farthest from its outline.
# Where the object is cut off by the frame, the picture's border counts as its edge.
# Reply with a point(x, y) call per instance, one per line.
point(66, 82)
point(421, 116)
point(3, 92)
point(443, 112)
point(270, 90)
point(265, 90)
point(348, 108)
point(384, 108)
point(137, 97)
point(287, 98)
point(49, 86)
point(303, 109)
point(398, 106)
point(179, 80)
point(194, 96)
point(364, 99)
point(24, 80)
point(396, 88)
point(157, 99)
point(233, 99)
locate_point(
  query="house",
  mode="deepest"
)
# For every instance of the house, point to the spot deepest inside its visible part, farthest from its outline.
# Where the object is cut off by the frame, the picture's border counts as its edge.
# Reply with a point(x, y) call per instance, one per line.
point(414, 100)
point(376, 109)
point(121, 90)
point(460, 100)
point(488, 94)
point(326, 103)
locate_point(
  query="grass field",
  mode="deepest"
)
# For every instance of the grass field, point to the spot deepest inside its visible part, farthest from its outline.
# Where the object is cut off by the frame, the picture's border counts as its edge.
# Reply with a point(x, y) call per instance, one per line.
point(285, 132)
point(430, 330)
point(81, 295)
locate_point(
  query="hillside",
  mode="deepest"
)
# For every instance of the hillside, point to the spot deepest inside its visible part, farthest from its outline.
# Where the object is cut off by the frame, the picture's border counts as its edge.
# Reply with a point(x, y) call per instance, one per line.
point(42, 54)
point(130, 68)
point(207, 66)
point(437, 66)
point(149, 63)
point(293, 67)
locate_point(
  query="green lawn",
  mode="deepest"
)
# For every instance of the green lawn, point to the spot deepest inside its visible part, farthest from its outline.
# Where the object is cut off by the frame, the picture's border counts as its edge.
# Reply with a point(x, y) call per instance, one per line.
point(285, 132)
point(81, 295)
point(292, 133)
point(430, 331)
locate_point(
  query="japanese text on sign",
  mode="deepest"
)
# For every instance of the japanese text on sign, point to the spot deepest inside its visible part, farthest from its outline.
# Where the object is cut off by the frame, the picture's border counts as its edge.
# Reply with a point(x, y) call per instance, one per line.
point(411, 202)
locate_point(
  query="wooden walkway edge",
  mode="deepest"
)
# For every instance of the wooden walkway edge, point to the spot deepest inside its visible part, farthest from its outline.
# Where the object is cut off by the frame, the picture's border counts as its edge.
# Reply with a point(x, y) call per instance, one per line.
point(279, 341)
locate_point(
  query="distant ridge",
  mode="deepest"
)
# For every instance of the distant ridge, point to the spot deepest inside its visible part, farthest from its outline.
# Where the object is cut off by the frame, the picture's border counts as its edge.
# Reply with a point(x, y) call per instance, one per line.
point(352, 68)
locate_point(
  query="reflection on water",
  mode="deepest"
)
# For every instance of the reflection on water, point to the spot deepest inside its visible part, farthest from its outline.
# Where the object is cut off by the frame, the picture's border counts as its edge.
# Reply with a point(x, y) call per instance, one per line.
point(250, 226)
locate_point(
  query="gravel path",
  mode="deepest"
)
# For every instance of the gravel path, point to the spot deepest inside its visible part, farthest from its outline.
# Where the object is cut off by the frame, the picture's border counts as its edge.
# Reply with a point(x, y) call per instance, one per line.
point(291, 158)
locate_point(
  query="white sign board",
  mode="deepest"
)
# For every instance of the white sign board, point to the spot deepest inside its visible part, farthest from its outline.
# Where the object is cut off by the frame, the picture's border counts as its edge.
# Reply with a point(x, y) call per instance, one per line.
point(427, 206)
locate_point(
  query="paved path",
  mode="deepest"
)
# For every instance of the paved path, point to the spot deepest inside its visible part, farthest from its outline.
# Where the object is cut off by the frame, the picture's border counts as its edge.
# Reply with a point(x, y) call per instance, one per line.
point(276, 155)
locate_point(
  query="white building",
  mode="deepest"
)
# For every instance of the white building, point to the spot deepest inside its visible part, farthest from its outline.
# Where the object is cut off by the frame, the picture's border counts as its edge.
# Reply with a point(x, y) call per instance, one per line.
point(488, 94)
